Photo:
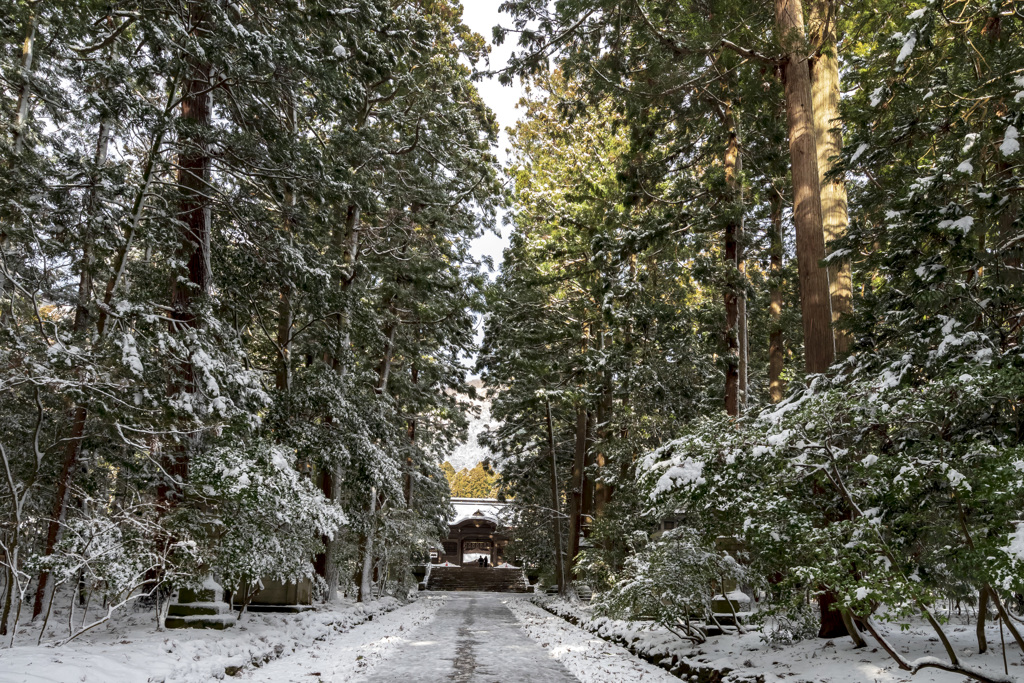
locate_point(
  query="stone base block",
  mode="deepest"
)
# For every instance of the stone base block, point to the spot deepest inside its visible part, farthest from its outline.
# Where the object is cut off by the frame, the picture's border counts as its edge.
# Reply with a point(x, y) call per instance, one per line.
point(284, 609)
point(192, 609)
point(211, 591)
point(275, 592)
point(218, 622)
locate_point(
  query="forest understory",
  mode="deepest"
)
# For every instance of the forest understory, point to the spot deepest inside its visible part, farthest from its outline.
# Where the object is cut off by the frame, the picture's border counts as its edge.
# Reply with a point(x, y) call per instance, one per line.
point(751, 352)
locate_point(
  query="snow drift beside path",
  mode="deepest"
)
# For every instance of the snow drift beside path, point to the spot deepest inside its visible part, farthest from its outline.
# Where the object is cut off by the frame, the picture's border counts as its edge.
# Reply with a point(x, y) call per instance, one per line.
point(586, 656)
point(814, 660)
point(131, 650)
point(350, 656)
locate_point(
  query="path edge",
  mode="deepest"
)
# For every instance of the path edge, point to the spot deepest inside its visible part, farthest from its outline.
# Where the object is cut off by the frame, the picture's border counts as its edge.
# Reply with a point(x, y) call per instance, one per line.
point(678, 666)
point(277, 650)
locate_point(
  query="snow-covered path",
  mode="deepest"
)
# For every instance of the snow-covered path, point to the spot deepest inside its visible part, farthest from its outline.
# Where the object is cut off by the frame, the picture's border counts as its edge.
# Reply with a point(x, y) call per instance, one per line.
point(474, 638)
point(466, 638)
point(347, 656)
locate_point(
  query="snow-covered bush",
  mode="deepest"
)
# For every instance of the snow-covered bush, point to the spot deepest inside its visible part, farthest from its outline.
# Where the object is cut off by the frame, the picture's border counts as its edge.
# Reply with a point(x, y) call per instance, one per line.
point(786, 625)
point(899, 486)
point(256, 515)
point(670, 580)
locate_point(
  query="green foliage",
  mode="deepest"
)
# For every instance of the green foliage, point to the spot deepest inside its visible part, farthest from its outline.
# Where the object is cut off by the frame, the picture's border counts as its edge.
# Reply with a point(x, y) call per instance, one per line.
point(892, 480)
point(668, 580)
point(323, 362)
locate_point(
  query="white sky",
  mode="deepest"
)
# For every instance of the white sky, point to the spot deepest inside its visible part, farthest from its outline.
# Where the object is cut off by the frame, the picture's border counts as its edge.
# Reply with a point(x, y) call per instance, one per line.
point(481, 16)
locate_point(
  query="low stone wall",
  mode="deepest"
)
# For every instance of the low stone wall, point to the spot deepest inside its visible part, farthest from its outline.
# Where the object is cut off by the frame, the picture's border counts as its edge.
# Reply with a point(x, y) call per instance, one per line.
point(665, 652)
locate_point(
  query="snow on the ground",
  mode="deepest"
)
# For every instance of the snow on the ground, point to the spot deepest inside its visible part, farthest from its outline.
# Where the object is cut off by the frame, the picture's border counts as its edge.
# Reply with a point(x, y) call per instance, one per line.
point(815, 660)
point(351, 655)
point(348, 641)
point(131, 650)
point(586, 656)
point(836, 660)
point(474, 637)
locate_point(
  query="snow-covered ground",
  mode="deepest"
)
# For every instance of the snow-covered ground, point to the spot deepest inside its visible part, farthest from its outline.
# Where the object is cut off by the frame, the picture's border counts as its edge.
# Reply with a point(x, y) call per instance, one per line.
point(473, 637)
point(813, 660)
point(351, 656)
point(131, 650)
point(588, 657)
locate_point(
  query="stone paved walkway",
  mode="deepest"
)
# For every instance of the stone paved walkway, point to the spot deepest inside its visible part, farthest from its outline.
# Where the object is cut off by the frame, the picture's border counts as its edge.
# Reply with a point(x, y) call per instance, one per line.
point(474, 638)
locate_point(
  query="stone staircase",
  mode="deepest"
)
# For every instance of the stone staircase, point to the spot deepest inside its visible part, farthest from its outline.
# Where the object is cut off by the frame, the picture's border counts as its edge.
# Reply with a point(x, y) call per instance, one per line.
point(488, 579)
point(203, 608)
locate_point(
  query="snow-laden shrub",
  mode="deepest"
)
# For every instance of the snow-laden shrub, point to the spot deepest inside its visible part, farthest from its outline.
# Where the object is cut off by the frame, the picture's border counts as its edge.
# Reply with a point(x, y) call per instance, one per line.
point(256, 515)
point(896, 483)
point(670, 581)
point(788, 625)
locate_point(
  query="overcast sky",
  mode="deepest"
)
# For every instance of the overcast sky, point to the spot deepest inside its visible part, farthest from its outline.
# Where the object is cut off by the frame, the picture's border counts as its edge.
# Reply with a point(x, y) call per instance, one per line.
point(481, 16)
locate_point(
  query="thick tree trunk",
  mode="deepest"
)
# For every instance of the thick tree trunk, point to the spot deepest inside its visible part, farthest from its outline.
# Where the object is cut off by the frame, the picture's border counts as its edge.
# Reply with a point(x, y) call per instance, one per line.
point(285, 313)
point(194, 216)
point(384, 369)
point(407, 483)
point(576, 490)
point(407, 477)
point(589, 466)
point(825, 87)
point(602, 489)
point(321, 562)
point(366, 575)
point(556, 507)
point(832, 624)
point(73, 447)
point(347, 245)
point(742, 331)
point(195, 211)
point(285, 320)
point(733, 227)
point(815, 304)
point(776, 349)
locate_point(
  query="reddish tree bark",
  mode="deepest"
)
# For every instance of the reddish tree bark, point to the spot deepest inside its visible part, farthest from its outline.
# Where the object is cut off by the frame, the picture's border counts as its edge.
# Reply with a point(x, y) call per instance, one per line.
point(815, 303)
point(776, 349)
point(733, 228)
point(824, 72)
point(194, 217)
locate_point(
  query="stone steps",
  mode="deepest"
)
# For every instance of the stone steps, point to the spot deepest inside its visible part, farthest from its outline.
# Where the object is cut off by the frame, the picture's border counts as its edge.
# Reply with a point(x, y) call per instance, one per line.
point(203, 608)
point(483, 579)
